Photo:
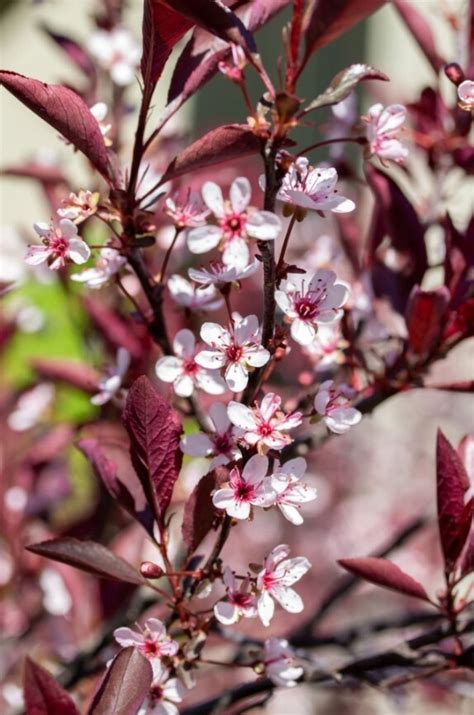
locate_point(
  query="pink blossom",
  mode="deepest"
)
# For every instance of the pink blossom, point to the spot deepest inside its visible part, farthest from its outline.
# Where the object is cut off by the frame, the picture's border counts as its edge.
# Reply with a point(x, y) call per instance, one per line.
point(193, 297)
point(320, 302)
point(291, 491)
point(108, 264)
point(99, 111)
point(248, 488)
point(327, 347)
point(279, 662)
point(275, 580)
point(219, 274)
point(466, 95)
point(60, 244)
point(78, 207)
point(265, 426)
point(187, 215)
point(182, 370)
point(31, 407)
point(334, 404)
point(239, 603)
point(235, 350)
point(383, 127)
point(110, 386)
point(234, 69)
point(152, 641)
point(313, 188)
point(234, 222)
point(220, 444)
point(118, 52)
point(164, 693)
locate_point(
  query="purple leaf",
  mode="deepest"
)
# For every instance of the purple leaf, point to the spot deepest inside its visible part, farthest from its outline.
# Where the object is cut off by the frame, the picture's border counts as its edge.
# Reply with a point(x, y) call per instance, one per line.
point(199, 61)
point(454, 516)
point(154, 430)
point(88, 556)
point(421, 31)
point(222, 144)
point(77, 374)
point(125, 685)
point(384, 573)
point(199, 512)
point(343, 83)
point(395, 217)
point(426, 318)
point(162, 28)
point(112, 327)
point(74, 51)
point(65, 111)
point(216, 18)
point(44, 173)
point(112, 464)
point(326, 20)
point(43, 695)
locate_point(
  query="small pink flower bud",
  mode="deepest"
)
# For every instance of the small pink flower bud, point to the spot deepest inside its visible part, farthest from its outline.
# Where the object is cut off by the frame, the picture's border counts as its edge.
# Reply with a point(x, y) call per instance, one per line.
point(454, 73)
point(150, 570)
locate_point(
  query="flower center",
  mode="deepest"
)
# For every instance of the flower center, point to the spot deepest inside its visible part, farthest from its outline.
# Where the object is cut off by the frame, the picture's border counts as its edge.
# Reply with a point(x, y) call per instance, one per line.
point(233, 225)
point(265, 429)
point(243, 491)
point(190, 367)
point(241, 599)
point(150, 648)
point(306, 308)
point(234, 353)
point(58, 244)
point(222, 443)
point(156, 693)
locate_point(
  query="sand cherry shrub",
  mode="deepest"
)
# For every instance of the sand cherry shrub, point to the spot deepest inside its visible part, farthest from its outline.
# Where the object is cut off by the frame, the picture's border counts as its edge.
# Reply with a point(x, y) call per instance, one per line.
point(248, 310)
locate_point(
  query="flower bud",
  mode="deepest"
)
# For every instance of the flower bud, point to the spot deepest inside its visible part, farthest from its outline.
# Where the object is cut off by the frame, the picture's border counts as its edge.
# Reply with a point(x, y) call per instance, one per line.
point(454, 73)
point(150, 570)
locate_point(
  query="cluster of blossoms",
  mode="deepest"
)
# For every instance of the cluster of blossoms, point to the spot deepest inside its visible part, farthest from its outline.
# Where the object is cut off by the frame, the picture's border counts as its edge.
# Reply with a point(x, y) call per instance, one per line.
point(382, 130)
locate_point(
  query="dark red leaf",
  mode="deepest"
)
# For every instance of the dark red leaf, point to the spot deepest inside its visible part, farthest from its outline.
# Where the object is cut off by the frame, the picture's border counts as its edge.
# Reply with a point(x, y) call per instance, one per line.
point(216, 18)
point(199, 512)
point(65, 111)
point(454, 516)
point(112, 464)
point(386, 574)
point(425, 317)
point(44, 173)
point(125, 685)
point(199, 61)
point(326, 20)
point(112, 327)
point(73, 50)
point(77, 374)
point(88, 556)
point(467, 561)
point(162, 28)
point(421, 31)
point(395, 217)
point(222, 144)
point(343, 83)
point(43, 695)
point(154, 430)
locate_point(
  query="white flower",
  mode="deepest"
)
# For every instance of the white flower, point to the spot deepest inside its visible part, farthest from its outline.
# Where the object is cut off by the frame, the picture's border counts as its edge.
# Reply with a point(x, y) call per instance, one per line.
point(221, 444)
point(78, 207)
point(183, 371)
point(235, 223)
point(60, 244)
point(164, 693)
point(109, 263)
point(320, 302)
point(117, 52)
point(219, 274)
point(334, 404)
point(313, 188)
point(239, 603)
point(234, 349)
point(248, 488)
point(279, 663)
point(99, 112)
point(264, 426)
point(30, 407)
point(466, 95)
point(275, 580)
point(110, 386)
point(291, 491)
point(193, 297)
point(327, 347)
point(383, 126)
point(152, 641)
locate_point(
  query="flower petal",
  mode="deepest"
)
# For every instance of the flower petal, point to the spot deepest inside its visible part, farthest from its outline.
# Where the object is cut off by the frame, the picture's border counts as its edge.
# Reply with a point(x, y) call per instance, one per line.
point(240, 194)
point(212, 197)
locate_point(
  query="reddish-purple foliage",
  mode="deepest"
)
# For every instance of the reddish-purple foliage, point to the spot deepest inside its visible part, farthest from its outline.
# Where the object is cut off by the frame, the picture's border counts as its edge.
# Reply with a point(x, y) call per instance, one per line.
point(383, 572)
point(125, 685)
point(43, 695)
point(199, 512)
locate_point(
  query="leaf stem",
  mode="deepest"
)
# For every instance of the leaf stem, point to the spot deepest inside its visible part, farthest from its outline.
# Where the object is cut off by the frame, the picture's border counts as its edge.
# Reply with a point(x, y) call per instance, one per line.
point(352, 140)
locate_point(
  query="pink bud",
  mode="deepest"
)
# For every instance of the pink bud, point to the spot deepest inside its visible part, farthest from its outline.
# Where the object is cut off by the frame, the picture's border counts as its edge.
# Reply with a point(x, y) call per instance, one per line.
point(150, 570)
point(454, 73)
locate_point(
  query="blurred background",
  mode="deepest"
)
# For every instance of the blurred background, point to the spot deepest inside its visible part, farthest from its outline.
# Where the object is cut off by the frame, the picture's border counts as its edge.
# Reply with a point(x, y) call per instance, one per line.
point(372, 481)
